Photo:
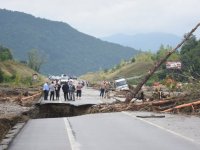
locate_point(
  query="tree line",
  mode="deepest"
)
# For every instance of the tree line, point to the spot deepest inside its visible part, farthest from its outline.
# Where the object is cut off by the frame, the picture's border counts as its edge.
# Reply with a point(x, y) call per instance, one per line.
point(188, 55)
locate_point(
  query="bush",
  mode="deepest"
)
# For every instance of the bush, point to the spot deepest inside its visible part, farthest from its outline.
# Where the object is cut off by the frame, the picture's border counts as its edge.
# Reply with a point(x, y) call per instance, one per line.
point(133, 60)
point(1, 76)
point(5, 54)
point(27, 81)
point(105, 70)
point(153, 79)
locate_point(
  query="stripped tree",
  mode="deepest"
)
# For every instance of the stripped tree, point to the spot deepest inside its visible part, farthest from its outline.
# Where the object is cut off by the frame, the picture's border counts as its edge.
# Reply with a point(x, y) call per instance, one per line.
point(134, 92)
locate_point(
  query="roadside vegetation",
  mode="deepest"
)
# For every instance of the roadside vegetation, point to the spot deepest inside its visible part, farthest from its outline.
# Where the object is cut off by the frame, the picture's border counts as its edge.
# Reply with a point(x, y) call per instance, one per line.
point(14, 73)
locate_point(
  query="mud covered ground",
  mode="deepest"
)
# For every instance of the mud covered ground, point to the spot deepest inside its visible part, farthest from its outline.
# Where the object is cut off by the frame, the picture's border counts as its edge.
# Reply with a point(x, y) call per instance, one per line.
point(14, 103)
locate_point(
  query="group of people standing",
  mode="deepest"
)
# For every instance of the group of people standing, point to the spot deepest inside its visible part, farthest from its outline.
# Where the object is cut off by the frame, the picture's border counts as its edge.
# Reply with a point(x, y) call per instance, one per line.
point(68, 89)
point(53, 89)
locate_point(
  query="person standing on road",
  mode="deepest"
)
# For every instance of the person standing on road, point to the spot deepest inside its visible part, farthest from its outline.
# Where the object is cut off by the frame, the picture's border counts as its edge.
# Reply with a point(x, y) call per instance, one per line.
point(46, 90)
point(71, 90)
point(79, 90)
point(65, 89)
point(57, 89)
point(52, 90)
point(102, 89)
point(107, 90)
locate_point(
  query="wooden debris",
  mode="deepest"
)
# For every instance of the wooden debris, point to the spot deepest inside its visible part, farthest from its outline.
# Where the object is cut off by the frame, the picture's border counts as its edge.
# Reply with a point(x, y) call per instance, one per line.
point(31, 97)
point(183, 106)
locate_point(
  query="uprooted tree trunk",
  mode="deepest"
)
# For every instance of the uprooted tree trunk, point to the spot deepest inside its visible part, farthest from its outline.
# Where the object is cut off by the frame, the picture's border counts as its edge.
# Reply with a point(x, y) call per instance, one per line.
point(183, 106)
point(134, 92)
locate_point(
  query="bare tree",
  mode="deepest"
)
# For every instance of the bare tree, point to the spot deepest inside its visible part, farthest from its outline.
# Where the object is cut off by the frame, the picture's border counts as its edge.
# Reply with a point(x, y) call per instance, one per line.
point(133, 93)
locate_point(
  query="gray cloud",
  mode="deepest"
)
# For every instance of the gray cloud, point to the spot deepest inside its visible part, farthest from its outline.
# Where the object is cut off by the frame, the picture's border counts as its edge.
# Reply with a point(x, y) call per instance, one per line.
point(105, 17)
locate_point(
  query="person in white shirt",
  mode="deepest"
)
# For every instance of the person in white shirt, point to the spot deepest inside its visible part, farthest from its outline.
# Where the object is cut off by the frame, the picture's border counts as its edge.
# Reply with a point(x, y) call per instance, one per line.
point(46, 90)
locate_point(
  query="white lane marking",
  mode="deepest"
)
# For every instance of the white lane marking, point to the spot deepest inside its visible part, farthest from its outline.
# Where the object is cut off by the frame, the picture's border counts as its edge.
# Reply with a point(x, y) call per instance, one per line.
point(160, 127)
point(74, 145)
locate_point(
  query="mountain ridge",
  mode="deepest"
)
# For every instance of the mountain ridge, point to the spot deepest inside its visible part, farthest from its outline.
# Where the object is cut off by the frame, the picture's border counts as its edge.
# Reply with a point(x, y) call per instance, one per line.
point(144, 41)
point(66, 49)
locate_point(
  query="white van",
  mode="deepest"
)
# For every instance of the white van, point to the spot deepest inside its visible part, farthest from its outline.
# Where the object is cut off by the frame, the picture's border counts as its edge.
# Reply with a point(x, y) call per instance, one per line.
point(63, 78)
point(121, 84)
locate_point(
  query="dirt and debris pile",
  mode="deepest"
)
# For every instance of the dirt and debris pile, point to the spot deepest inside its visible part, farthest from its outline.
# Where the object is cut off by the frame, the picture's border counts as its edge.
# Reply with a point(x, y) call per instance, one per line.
point(118, 107)
point(20, 96)
point(14, 102)
point(173, 105)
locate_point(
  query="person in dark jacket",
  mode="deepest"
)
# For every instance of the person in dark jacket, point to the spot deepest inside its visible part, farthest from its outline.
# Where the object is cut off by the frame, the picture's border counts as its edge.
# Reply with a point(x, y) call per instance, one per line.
point(65, 89)
point(57, 89)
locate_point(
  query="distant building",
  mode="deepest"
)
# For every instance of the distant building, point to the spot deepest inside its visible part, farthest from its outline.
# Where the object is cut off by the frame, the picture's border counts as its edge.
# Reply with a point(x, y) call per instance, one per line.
point(173, 65)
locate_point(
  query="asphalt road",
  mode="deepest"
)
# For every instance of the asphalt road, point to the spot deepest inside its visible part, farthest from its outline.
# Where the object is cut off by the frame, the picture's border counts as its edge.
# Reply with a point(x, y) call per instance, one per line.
point(108, 131)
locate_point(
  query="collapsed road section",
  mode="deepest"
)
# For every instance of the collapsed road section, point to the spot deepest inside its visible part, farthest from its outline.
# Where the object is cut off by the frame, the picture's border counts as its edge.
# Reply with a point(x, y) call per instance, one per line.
point(54, 110)
point(61, 110)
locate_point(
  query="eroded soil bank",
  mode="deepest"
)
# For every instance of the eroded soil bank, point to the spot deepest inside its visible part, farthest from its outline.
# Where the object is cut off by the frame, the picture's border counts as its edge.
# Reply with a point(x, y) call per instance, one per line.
point(15, 104)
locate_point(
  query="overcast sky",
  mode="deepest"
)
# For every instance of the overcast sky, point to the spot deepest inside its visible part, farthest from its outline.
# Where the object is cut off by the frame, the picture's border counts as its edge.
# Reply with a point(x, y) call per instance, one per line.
point(106, 17)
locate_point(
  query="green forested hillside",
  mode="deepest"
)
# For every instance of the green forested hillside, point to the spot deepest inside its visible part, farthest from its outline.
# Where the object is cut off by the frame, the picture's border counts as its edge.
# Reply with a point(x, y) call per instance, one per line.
point(65, 49)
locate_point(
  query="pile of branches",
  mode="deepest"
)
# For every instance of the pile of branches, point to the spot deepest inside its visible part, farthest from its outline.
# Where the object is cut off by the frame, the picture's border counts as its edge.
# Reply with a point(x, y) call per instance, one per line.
point(120, 106)
point(181, 104)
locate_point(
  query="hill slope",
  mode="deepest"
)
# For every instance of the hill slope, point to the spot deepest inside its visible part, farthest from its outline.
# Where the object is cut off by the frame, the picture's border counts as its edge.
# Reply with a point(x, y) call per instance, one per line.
point(66, 49)
point(127, 71)
point(149, 41)
point(11, 67)
point(18, 73)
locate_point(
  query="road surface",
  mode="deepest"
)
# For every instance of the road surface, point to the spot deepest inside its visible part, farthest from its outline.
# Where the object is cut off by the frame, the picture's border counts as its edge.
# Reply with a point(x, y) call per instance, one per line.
point(107, 131)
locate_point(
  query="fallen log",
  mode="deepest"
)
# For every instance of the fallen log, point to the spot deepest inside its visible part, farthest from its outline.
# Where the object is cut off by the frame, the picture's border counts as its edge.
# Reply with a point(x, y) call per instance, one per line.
point(162, 102)
point(31, 97)
point(183, 105)
point(162, 108)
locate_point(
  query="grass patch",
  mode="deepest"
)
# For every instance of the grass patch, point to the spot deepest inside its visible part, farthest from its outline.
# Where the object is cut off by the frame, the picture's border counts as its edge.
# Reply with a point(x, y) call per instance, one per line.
point(127, 71)
point(17, 74)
